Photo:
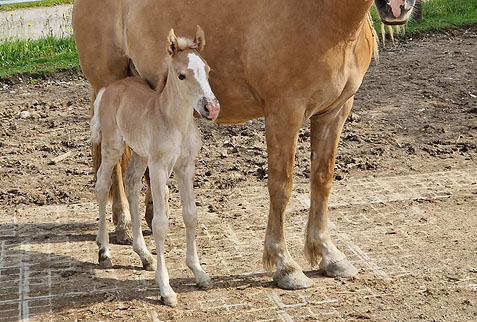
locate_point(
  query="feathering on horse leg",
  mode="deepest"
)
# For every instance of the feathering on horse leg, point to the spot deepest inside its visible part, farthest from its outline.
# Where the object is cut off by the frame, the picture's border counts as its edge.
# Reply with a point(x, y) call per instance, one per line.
point(281, 147)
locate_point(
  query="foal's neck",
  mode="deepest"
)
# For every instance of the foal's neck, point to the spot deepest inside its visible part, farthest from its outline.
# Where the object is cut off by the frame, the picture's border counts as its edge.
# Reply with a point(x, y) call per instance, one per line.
point(172, 102)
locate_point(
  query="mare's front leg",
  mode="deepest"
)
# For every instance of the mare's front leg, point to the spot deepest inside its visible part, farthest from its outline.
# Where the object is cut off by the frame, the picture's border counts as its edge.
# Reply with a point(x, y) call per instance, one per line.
point(185, 175)
point(132, 181)
point(282, 124)
point(159, 173)
point(325, 133)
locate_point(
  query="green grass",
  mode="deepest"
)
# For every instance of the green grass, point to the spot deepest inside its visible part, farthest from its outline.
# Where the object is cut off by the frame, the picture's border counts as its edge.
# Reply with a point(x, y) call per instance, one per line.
point(36, 57)
point(440, 14)
point(44, 3)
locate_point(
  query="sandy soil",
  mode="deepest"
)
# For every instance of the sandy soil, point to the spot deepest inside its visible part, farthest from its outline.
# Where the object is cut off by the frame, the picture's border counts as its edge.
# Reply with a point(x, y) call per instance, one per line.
point(414, 121)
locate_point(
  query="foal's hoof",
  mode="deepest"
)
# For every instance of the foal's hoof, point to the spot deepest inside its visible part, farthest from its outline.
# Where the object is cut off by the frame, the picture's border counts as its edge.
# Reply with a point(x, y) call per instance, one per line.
point(291, 279)
point(103, 259)
point(105, 263)
point(123, 236)
point(169, 300)
point(149, 266)
point(342, 268)
point(205, 284)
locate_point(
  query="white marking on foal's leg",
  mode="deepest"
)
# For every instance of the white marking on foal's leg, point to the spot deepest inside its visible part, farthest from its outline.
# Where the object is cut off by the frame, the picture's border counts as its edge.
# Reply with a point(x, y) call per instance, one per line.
point(160, 226)
point(189, 212)
point(132, 181)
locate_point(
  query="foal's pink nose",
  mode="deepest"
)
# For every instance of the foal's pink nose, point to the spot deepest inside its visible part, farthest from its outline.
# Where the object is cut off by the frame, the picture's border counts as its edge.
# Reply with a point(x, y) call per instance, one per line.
point(213, 107)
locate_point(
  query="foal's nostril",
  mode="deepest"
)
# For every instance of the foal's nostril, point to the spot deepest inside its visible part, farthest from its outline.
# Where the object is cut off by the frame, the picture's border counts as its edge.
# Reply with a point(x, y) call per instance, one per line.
point(206, 109)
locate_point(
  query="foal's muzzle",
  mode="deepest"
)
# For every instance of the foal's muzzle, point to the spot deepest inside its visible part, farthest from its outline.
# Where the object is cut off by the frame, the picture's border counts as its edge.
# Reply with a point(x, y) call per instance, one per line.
point(211, 109)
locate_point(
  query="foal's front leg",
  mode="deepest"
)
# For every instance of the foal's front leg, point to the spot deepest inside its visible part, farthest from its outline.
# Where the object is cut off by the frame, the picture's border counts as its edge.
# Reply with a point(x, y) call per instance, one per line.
point(159, 173)
point(185, 176)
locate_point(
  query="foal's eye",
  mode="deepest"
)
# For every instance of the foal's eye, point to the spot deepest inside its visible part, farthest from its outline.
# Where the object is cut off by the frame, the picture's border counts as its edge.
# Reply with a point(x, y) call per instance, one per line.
point(181, 76)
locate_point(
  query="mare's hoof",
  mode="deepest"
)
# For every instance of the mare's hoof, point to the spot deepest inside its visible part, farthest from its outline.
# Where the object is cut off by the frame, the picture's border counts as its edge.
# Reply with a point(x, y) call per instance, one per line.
point(123, 236)
point(291, 279)
point(342, 268)
point(169, 300)
point(105, 263)
point(149, 215)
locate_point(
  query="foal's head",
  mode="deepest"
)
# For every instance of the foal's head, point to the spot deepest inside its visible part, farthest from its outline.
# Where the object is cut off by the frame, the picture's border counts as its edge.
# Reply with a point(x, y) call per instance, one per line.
point(190, 72)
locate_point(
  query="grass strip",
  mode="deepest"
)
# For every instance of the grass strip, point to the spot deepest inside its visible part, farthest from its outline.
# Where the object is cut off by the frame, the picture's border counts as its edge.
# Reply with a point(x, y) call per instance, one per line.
point(45, 3)
point(37, 57)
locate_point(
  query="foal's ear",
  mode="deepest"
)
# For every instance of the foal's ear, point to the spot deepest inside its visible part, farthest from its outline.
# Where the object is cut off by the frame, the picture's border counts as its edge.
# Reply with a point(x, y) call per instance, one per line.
point(172, 43)
point(199, 39)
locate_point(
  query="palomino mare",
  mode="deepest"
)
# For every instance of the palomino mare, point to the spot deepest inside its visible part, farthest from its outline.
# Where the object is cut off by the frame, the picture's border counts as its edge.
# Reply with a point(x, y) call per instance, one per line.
point(159, 127)
point(286, 60)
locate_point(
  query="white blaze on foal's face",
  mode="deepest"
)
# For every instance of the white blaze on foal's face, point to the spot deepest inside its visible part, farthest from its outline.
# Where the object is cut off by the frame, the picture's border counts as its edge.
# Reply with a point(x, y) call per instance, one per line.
point(197, 65)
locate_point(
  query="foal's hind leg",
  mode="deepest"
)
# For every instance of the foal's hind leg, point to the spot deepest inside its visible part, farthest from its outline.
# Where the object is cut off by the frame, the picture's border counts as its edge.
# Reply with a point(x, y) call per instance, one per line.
point(325, 133)
point(185, 176)
point(132, 182)
point(103, 184)
point(121, 216)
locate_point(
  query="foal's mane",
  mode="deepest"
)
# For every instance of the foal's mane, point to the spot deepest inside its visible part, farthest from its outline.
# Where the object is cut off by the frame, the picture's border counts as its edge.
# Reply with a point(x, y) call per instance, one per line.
point(184, 44)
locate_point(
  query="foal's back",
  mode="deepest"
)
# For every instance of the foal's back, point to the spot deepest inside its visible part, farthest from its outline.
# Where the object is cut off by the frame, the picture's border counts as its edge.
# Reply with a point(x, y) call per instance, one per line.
point(126, 109)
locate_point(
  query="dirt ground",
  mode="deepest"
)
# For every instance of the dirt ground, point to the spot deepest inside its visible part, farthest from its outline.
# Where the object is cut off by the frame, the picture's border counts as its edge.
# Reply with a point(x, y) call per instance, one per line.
point(402, 207)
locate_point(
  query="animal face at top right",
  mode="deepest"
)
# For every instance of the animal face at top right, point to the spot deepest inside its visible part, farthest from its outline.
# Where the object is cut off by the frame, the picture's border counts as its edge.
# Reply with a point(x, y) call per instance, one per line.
point(394, 12)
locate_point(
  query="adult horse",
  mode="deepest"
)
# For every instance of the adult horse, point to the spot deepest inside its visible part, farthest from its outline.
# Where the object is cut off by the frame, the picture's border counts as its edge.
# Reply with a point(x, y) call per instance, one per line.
point(286, 60)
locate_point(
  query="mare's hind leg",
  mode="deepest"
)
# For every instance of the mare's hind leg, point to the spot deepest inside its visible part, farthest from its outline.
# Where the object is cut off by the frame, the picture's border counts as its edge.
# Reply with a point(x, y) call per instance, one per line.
point(185, 176)
point(120, 208)
point(325, 133)
point(132, 182)
point(103, 184)
point(281, 126)
point(160, 225)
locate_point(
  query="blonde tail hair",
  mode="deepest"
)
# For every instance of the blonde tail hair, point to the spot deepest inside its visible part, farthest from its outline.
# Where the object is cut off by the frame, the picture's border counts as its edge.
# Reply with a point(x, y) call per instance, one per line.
point(95, 125)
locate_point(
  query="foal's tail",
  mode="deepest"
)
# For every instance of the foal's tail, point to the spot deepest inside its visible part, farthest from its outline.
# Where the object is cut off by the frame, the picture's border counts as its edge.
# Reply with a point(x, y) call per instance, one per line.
point(95, 125)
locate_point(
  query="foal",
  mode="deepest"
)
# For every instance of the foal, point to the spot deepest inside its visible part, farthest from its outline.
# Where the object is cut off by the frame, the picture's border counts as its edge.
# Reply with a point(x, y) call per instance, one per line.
point(159, 128)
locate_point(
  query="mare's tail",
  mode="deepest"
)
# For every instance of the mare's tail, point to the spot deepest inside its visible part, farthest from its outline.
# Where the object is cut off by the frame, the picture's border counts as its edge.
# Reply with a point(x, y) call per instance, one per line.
point(95, 125)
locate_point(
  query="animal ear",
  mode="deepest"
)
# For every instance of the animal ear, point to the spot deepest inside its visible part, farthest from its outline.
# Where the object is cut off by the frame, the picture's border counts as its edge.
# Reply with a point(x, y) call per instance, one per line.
point(199, 39)
point(172, 43)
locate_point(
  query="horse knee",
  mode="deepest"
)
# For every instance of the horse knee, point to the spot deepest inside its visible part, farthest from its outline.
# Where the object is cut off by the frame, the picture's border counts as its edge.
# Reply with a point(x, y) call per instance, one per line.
point(160, 226)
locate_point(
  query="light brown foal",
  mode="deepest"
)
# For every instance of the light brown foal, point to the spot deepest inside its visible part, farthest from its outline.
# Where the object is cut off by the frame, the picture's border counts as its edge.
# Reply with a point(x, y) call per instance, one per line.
point(159, 128)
